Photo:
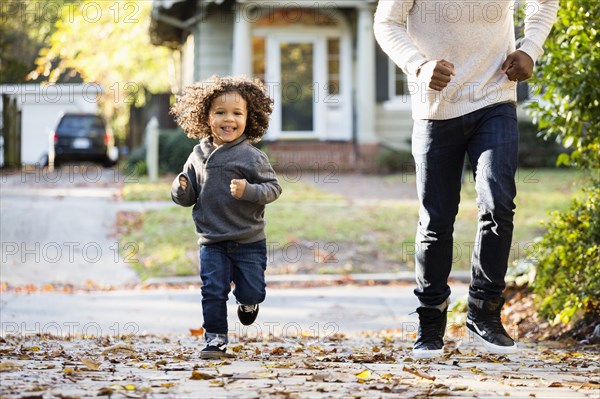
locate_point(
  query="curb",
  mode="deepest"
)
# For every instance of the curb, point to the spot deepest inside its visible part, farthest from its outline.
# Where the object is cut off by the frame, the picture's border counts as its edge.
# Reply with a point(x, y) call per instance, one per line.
point(320, 279)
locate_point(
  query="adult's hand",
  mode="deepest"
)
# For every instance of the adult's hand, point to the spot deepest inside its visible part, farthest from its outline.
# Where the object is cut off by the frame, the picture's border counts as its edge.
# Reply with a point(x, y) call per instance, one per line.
point(518, 66)
point(437, 74)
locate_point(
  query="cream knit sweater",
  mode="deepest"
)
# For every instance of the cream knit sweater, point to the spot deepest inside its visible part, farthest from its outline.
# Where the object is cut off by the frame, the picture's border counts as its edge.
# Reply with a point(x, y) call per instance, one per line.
point(474, 35)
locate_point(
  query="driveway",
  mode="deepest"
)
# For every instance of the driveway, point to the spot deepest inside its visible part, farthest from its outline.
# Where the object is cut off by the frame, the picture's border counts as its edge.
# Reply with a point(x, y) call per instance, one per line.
point(59, 227)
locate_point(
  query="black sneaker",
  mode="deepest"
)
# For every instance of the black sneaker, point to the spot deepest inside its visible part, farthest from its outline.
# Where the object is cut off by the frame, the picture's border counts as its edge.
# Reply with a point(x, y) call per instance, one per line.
point(483, 320)
point(214, 349)
point(247, 314)
point(432, 326)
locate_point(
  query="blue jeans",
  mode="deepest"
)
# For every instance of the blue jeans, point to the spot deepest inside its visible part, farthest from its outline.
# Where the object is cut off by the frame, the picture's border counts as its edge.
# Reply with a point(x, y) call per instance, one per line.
point(490, 138)
point(220, 265)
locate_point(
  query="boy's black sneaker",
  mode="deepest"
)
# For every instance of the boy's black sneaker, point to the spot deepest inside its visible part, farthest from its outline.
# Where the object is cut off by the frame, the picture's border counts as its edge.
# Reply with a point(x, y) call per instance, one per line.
point(214, 349)
point(432, 326)
point(247, 314)
point(483, 320)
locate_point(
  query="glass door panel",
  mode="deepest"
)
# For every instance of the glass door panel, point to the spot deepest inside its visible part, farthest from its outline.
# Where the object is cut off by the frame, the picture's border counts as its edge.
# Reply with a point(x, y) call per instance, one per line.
point(297, 76)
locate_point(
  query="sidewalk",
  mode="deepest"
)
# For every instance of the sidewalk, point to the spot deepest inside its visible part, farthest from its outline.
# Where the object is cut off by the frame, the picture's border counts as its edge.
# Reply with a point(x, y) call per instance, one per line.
point(286, 311)
point(327, 342)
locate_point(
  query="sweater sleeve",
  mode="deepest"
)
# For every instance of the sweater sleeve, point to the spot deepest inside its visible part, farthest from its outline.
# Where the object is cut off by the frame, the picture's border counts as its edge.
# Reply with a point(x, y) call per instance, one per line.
point(539, 18)
point(391, 34)
point(263, 186)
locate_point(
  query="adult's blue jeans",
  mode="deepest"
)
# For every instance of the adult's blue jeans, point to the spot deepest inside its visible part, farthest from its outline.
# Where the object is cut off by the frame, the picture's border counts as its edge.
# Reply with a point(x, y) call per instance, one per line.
point(220, 265)
point(489, 137)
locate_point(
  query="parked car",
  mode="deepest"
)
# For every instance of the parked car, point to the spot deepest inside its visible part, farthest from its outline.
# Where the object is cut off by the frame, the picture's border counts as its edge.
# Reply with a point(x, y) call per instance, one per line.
point(83, 137)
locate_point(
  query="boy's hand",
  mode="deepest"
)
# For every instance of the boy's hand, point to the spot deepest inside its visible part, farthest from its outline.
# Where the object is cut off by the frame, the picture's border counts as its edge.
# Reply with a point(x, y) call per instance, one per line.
point(237, 186)
point(437, 74)
point(183, 182)
point(518, 66)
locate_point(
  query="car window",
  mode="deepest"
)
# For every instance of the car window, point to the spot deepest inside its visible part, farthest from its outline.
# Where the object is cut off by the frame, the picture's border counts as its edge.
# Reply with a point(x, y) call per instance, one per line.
point(70, 123)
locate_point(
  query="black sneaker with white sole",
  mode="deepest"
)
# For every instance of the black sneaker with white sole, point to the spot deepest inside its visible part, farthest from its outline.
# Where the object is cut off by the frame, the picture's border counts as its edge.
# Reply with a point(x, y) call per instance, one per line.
point(432, 326)
point(247, 314)
point(214, 349)
point(483, 320)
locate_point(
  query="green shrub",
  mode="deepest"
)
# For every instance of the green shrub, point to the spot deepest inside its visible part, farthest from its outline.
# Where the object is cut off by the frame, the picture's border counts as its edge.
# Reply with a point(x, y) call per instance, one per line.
point(174, 147)
point(535, 150)
point(567, 260)
point(391, 160)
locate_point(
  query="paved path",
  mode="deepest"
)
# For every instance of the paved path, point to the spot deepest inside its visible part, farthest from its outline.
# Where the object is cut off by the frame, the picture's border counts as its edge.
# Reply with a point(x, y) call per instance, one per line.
point(328, 342)
point(286, 311)
point(59, 228)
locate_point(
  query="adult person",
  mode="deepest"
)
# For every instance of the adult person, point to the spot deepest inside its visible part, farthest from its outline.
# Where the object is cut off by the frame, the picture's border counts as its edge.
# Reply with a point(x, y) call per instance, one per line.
point(462, 65)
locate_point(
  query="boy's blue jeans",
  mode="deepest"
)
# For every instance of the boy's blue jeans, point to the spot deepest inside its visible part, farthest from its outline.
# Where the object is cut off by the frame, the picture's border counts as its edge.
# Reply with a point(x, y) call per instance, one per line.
point(221, 264)
point(490, 138)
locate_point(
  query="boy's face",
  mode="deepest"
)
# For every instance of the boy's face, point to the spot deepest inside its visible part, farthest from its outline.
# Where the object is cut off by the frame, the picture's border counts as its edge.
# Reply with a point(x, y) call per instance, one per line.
point(227, 117)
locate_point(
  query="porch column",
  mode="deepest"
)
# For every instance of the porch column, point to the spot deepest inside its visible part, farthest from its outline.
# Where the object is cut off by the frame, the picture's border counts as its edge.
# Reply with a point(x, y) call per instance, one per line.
point(242, 42)
point(365, 76)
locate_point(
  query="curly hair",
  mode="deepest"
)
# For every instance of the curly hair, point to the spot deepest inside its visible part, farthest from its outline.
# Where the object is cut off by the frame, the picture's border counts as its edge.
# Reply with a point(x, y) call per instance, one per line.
point(193, 105)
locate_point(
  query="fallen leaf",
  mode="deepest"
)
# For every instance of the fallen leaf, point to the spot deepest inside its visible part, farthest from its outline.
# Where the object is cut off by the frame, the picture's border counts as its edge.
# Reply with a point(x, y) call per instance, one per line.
point(556, 384)
point(590, 385)
point(31, 348)
point(279, 351)
point(236, 348)
point(197, 375)
point(61, 396)
point(120, 347)
point(91, 364)
point(197, 332)
point(418, 373)
point(9, 366)
point(364, 375)
point(105, 391)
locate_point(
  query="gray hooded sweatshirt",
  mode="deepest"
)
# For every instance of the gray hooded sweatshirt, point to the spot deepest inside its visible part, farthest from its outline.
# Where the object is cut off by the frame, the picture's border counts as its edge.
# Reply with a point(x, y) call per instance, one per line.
point(217, 214)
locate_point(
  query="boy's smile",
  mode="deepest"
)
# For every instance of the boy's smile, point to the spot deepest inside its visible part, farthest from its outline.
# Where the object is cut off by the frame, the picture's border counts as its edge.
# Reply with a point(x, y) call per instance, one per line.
point(227, 117)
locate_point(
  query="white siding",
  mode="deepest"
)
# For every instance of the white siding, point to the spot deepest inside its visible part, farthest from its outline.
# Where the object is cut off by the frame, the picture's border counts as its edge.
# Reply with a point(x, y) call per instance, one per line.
point(213, 38)
point(393, 127)
point(187, 62)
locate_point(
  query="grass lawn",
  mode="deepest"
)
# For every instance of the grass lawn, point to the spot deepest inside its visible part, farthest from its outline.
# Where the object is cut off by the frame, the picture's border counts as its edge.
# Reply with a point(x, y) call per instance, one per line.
point(381, 230)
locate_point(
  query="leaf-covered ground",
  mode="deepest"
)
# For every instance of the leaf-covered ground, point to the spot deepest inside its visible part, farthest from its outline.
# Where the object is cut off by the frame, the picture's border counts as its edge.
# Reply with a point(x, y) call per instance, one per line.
point(368, 365)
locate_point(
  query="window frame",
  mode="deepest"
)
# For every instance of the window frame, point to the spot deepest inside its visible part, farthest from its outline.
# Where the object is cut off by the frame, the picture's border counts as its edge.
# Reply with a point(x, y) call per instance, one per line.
point(396, 102)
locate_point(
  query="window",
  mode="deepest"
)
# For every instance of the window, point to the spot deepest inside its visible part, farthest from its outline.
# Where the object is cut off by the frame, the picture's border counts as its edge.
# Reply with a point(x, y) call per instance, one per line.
point(259, 57)
point(398, 82)
point(333, 66)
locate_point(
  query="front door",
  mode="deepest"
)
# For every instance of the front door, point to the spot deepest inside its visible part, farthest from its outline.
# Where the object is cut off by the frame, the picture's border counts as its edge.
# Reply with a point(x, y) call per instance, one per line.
point(295, 65)
point(296, 60)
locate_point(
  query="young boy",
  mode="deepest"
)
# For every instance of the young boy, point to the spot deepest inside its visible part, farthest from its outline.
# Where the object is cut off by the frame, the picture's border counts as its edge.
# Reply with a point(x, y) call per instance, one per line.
point(229, 182)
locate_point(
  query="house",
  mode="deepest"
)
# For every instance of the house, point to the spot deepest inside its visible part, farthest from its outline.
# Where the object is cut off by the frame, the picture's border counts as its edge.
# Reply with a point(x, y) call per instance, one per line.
point(337, 96)
point(30, 113)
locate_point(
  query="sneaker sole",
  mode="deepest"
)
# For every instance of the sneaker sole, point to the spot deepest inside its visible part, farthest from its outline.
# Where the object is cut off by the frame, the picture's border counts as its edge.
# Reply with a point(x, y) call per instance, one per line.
point(212, 355)
point(427, 353)
point(253, 320)
point(492, 348)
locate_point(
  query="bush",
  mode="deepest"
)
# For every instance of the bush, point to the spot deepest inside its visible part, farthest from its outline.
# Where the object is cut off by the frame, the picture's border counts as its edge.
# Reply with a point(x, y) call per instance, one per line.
point(567, 261)
point(391, 160)
point(535, 152)
point(174, 147)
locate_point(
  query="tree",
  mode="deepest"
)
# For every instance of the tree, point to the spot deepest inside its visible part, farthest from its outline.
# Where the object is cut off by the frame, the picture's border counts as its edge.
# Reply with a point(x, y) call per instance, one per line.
point(108, 43)
point(568, 255)
point(567, 83)
point(25, 25)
